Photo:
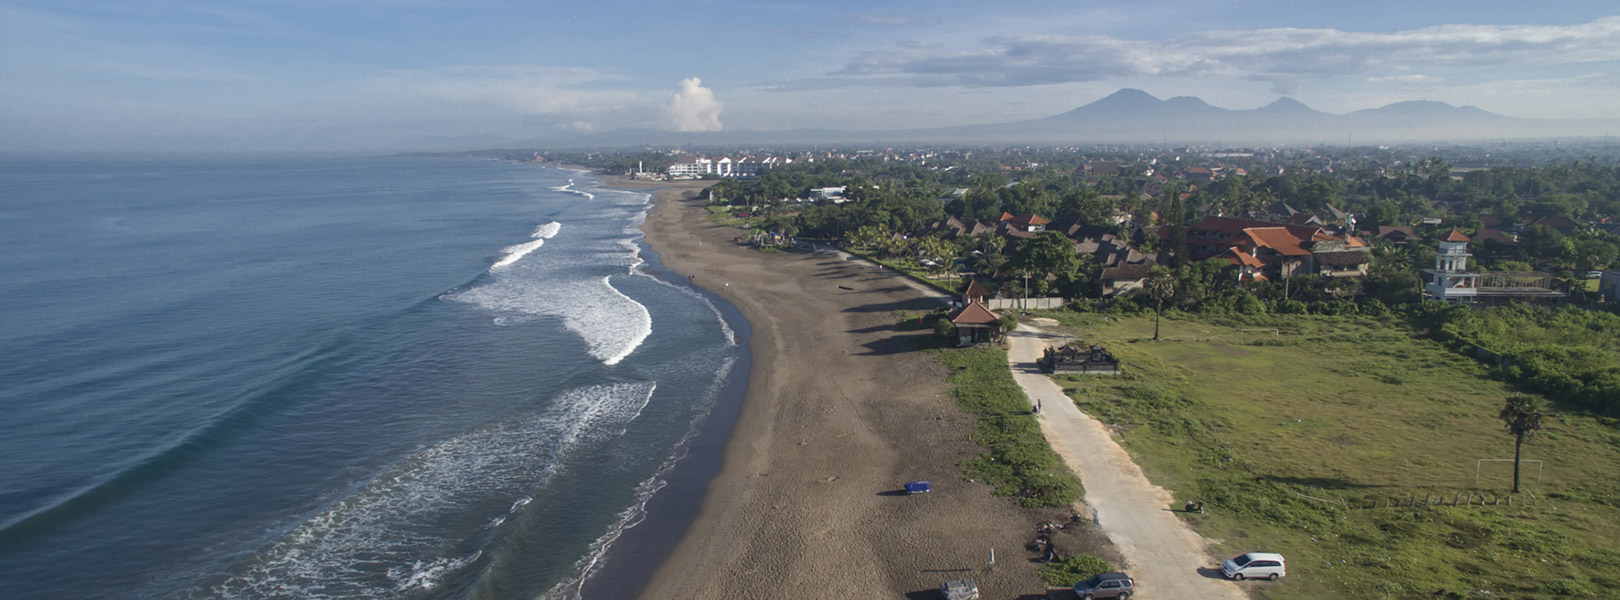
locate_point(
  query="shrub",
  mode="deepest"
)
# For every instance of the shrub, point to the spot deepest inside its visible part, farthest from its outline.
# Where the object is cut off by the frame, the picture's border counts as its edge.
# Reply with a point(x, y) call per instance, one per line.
point(1072, 569)
point(1018, 461)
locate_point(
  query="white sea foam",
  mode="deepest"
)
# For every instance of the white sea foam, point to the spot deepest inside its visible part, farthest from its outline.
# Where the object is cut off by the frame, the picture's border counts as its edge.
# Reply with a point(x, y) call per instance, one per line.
point(398, 523)
point(592, 562)
point(564, 286)
point(516, 252)
point(569, 188)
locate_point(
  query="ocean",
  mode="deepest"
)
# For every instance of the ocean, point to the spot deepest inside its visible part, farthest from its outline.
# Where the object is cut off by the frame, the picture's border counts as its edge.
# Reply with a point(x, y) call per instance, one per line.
point(344, 378)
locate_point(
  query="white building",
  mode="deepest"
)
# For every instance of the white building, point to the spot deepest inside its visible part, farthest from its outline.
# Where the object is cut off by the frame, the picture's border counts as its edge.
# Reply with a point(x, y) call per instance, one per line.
point(1451, 280)
point(724, 167)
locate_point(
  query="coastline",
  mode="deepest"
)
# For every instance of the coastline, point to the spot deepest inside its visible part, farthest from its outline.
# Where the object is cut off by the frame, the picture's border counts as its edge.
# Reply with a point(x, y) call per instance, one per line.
point(838, 411)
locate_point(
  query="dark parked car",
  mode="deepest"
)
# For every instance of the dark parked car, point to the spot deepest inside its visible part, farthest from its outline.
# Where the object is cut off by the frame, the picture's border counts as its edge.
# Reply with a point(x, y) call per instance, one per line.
point(1105, 585)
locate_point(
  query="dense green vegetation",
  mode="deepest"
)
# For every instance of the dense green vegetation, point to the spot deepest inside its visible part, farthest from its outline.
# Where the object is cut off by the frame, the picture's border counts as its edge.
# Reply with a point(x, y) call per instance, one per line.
point(1018, 461)
point(1066, 571)
point(1572, 355)
point(1288, 439)
point(896, 207)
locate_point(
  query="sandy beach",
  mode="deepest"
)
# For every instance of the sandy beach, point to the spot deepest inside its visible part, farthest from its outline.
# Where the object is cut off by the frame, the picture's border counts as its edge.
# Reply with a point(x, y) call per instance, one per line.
point(839, 411)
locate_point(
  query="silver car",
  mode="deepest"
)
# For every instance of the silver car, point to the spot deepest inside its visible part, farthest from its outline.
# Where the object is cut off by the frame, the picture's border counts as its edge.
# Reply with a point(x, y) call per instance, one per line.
point(1105, 585)
point(1255, 565)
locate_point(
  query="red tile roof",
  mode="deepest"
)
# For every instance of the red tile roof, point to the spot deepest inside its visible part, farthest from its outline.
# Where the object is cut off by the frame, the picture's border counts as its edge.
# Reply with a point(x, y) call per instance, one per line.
point(1279, 239)
point(974, 314)
point(1239, 257)
point(1456, 235)
point(974, 290)
point(1022, 221)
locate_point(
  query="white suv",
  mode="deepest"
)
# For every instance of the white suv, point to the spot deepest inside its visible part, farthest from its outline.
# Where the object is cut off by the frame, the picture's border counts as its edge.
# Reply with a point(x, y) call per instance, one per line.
point(1255, 565)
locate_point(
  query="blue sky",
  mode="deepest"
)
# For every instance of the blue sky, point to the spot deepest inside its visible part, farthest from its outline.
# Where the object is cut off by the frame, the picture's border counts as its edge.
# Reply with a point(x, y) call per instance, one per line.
point(273, 75)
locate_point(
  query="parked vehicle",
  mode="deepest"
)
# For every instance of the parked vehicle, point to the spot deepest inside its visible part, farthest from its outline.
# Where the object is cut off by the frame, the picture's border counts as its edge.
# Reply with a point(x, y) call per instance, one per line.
point(959, 589)
point(1105, 585)
point(1255, 565)
point(918, 487)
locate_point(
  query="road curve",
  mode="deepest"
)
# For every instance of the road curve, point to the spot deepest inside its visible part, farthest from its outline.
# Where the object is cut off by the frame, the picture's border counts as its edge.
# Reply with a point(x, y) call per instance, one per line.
point(1167, 558)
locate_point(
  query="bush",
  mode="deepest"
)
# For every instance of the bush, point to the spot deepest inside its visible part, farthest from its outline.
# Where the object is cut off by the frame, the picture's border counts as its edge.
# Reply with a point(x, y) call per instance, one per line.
point(1018, 461)
point(1070, 570)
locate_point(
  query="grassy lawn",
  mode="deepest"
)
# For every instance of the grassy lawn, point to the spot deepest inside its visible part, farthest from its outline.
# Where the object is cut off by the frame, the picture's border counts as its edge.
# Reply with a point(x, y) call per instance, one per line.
point(1358, 411)
point(724, 215)
point(1018, 461)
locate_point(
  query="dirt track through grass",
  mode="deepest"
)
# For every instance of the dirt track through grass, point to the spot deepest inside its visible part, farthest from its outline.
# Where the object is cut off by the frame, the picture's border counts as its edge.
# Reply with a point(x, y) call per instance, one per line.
point(1358, 411)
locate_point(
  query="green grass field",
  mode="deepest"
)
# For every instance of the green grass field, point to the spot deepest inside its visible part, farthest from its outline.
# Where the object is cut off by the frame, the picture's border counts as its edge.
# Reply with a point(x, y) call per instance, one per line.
point(1274, 433)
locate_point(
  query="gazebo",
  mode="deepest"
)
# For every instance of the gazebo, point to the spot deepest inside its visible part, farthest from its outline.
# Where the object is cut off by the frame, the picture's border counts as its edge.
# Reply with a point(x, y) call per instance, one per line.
point(975, 324)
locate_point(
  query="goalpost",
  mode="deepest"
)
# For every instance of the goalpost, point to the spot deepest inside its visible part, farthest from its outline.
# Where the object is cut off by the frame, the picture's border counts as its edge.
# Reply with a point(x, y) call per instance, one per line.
point(1482, 461)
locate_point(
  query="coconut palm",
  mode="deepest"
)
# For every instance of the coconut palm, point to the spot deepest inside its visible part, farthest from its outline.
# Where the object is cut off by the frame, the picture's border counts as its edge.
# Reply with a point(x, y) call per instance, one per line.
point(1522, 416)
point(1161, 286)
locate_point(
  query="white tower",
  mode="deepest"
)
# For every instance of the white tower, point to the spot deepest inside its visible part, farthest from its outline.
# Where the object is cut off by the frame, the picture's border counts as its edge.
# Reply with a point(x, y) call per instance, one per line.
point(1453, 282)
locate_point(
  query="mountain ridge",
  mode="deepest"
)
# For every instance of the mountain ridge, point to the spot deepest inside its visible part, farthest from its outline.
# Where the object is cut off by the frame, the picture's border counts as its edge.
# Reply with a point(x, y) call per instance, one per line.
point(1131, 115)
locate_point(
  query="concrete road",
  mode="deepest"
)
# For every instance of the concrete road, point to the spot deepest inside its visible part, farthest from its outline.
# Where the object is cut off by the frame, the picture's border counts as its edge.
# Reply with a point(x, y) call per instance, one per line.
point(1165, 557)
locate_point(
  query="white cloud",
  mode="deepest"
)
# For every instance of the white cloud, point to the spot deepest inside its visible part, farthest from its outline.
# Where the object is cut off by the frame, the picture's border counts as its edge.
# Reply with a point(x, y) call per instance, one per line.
point(1280, 56)
point(694, 107)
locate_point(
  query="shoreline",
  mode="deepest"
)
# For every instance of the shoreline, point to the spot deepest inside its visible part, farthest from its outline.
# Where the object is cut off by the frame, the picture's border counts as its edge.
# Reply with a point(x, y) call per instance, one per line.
point(839, 409)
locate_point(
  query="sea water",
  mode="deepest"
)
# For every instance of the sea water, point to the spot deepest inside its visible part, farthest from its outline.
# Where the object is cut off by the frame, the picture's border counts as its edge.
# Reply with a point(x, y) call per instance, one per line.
point(334, 378)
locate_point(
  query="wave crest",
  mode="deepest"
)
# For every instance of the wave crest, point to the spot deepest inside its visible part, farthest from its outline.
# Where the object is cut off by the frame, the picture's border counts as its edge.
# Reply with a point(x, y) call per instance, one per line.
point(391, 536)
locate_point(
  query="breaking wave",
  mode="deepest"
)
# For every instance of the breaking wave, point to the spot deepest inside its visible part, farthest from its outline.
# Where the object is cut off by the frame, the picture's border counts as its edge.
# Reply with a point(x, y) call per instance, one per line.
point(515, 252)
point(395, 535)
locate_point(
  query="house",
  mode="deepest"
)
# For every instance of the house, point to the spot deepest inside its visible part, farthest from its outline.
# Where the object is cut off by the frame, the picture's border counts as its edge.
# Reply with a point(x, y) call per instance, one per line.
point(1331, 215)
point(975, 324)
point(981, 229)
point(1452, 281)
point(1279, 212)
point(1282, 252)
point(1305, 219)
point(1249, 268)
point(1024, 223)
point(1561, 224)
point(1496, 244)
point(828, 193)
point(950, 227)
point(1121, 279)
point(1341, 258)
point(1284, 249)
point(1396, 235)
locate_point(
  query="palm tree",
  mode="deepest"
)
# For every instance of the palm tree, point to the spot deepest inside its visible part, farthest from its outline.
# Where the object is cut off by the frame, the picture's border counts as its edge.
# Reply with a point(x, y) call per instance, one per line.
point(1161, 285)
point(1522, 415)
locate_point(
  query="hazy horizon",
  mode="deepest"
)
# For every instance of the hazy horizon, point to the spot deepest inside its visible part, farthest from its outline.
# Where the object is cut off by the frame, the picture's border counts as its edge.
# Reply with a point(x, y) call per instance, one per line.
point(360, 75)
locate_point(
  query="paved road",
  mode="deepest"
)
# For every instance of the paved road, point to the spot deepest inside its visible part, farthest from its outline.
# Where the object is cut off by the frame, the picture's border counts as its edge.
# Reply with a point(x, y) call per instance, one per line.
point(1164, 555)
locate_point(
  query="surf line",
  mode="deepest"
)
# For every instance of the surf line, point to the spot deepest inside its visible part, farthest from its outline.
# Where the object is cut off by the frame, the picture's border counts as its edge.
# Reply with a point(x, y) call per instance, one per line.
point(516, 252)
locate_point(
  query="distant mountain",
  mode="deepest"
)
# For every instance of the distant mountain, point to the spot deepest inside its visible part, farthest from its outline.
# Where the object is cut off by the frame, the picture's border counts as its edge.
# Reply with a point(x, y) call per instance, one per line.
point(1135, 116)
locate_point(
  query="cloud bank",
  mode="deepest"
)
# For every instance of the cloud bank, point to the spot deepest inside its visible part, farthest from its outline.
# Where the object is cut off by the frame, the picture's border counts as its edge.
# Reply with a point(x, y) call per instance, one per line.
point(1280, 56)
point(694, 108)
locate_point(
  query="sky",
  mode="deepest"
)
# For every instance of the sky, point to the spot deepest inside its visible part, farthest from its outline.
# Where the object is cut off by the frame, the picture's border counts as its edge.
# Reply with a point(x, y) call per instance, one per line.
point(366, 75)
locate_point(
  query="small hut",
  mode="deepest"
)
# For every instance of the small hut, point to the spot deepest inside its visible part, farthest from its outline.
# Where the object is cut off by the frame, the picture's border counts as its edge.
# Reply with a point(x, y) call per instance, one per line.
point(975, 324)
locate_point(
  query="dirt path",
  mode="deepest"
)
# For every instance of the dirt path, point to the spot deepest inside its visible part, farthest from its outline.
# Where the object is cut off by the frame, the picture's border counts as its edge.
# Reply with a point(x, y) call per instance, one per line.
point(1163, 554)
